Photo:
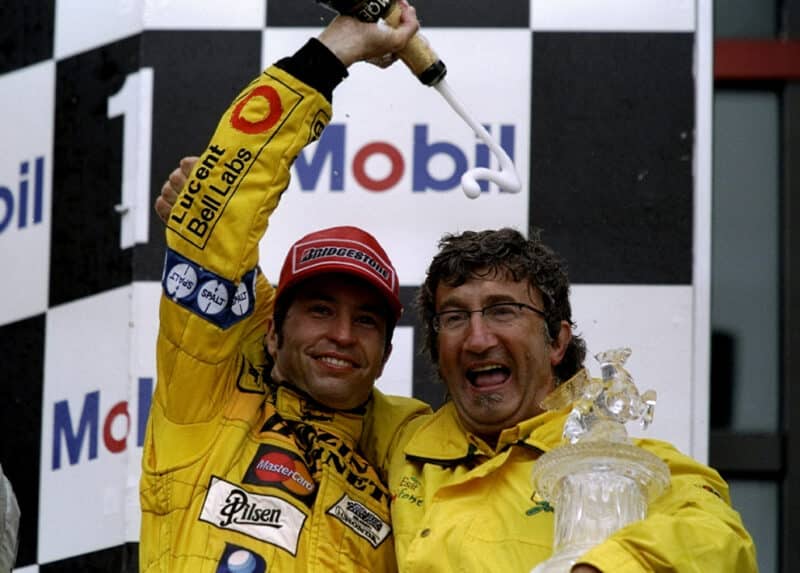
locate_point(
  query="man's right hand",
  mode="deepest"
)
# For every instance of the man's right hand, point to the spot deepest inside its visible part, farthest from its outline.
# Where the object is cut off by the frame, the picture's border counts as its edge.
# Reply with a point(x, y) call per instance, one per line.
point(352, 40)
point(172, 186)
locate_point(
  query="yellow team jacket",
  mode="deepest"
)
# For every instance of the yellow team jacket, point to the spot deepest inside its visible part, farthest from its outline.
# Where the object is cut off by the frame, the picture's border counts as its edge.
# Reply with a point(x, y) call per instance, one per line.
point(461, 506)
point(240, 474)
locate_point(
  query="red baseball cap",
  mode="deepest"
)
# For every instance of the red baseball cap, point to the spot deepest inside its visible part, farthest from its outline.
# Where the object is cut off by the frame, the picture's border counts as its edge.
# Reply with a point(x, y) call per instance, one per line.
point(348, 250)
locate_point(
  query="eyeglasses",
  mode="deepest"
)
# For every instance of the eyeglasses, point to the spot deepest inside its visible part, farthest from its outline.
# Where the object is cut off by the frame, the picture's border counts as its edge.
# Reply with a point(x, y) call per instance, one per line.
point(499, 314)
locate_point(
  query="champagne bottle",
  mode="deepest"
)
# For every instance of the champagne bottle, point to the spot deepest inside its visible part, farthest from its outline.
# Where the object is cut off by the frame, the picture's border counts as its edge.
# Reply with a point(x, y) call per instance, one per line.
point(417, 55)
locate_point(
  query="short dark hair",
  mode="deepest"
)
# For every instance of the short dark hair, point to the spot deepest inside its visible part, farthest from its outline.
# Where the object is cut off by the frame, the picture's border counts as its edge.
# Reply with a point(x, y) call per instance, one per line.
point(502, 252)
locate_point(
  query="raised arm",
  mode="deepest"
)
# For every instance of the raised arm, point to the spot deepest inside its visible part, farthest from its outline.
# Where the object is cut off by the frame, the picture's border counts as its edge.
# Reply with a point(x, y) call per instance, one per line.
point(216, 303)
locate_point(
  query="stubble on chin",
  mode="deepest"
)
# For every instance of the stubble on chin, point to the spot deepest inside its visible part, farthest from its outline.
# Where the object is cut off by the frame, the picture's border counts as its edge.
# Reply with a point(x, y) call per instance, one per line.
point(486, 401)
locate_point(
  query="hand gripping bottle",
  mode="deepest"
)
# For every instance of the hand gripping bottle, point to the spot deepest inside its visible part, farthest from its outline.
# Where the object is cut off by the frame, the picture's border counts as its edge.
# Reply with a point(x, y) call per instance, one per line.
point(417, 54)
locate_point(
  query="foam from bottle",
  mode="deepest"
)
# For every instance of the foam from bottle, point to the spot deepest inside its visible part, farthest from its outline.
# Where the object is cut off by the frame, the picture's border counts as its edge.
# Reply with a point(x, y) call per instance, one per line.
point(506, 178)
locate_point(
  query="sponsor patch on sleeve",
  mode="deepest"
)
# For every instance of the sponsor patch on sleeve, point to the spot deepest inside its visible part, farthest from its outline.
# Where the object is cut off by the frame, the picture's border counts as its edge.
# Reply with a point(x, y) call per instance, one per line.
point(321, 119)
point(263, 517)
point(360, 519)
point(206, 294)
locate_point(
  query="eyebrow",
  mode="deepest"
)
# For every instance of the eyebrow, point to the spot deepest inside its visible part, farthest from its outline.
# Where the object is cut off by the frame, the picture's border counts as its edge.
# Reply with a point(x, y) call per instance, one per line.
point(456, 303)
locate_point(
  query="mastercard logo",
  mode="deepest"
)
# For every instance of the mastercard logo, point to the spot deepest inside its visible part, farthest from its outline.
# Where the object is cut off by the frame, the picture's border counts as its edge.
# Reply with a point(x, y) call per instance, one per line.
point(284, 469)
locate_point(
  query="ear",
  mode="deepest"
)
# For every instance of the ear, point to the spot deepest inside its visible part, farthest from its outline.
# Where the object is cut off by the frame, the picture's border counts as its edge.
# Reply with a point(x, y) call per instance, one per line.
point(559, 345)
point(271, 338)
point(385, 359)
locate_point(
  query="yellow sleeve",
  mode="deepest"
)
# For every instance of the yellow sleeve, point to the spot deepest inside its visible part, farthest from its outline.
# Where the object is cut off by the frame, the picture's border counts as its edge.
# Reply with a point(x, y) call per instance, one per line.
point(691, 527)
point(215, 302)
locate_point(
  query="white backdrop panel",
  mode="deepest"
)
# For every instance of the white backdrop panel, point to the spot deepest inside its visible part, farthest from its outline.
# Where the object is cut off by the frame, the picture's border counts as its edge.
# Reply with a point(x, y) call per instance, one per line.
point(89, 425)
point(388, 109)
point(655, 322)
point(26, 111)
point(85, 24)
point(613, 15)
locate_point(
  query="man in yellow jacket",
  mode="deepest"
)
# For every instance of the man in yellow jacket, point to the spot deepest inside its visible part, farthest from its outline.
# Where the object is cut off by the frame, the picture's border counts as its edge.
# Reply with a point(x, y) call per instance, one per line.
point(251, 462)
point(498, 326)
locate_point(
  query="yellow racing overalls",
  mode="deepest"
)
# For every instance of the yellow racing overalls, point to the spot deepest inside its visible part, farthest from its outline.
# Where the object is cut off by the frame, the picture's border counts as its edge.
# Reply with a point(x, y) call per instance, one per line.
point(460, 505)
point(240, 474)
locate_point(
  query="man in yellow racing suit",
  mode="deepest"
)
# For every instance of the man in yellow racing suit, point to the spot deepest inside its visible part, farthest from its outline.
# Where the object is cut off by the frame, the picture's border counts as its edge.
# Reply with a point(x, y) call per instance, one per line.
point(251, 462)
point(463, 505)
point(498, 327)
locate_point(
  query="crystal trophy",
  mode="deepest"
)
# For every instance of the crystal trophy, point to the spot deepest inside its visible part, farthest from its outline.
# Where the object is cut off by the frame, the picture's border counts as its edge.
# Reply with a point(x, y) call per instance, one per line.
point(598, 481)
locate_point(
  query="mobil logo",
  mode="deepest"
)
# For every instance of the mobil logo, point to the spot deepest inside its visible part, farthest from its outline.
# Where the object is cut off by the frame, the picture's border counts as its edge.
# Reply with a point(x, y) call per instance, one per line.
point(425, 162)
point(22, 202)
point(84, 428)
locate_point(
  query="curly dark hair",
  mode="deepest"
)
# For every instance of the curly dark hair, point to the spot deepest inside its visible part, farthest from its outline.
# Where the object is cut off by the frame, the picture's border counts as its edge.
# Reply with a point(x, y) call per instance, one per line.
point(504, 252)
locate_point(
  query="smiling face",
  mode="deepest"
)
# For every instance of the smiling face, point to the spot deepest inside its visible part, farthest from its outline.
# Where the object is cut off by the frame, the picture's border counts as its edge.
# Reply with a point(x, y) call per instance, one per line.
point(496, 374)
point(332, 341)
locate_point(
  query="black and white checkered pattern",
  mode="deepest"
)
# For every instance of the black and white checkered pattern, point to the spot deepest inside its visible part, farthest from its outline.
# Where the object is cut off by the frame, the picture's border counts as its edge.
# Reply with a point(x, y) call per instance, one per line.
point(594, 99)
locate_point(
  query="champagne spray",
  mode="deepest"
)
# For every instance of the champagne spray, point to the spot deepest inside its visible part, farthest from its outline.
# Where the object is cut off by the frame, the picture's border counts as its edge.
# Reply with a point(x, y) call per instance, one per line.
point(430, 70)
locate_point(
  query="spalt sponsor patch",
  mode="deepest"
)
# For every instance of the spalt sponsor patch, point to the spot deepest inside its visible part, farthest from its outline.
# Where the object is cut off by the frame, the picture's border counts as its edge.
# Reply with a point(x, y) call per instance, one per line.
point(360, 519)
point(264, 517)
point(206, 294)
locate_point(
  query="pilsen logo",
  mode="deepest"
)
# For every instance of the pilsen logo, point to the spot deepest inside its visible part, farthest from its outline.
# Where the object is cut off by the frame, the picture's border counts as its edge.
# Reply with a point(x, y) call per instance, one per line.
point(276, 467)
point(342, 252)
point(264, 517)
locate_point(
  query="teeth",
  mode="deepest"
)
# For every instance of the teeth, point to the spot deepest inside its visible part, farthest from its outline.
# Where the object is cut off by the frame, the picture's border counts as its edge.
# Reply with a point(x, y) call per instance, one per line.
point(335, 361)
point(486, 367)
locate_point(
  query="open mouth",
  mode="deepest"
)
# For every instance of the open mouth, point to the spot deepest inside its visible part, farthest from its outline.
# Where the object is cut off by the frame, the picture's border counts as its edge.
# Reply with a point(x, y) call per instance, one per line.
point(488, 376)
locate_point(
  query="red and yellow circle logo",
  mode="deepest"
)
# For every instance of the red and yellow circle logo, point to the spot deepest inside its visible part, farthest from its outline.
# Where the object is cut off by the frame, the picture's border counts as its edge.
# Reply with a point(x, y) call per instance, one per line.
point(252, 116)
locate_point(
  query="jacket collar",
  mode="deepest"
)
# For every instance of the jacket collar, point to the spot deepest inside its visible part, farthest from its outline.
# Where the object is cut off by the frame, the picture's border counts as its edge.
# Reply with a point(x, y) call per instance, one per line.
point(443, 440)
point(294, 404)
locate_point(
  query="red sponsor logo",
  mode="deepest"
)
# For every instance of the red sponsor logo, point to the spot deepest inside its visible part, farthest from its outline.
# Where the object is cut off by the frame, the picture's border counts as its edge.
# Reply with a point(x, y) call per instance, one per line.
point(276, 467)
point(343, 252)
point(250, 115)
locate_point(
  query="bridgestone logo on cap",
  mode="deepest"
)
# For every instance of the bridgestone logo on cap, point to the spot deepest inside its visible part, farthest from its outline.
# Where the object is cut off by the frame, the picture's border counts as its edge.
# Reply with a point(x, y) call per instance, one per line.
point(341, 252)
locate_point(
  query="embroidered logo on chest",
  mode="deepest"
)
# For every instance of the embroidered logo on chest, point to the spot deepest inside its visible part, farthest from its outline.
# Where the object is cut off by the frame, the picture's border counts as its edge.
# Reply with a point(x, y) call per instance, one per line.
point(275, 467)
point(541, 505)
point(409, 491)
point(360, 519)
point(264, 517)
point(237, 559)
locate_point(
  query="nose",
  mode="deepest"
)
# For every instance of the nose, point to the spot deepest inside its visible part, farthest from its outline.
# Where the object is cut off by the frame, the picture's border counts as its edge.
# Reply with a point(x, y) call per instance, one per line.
point(479, 337)
point(340, 330)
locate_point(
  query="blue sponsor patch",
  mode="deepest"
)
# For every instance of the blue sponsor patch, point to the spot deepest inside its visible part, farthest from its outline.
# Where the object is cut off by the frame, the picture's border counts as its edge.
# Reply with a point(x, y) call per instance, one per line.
point(237, 559)
point(207, 294)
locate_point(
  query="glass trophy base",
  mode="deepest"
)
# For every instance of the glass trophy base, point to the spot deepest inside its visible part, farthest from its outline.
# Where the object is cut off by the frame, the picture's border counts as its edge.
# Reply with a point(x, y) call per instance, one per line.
point(596, 488)
point(598, 458)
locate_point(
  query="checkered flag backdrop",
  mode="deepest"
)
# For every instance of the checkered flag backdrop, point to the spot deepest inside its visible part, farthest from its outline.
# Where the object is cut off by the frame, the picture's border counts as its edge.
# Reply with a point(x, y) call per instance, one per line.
point(594, 100)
